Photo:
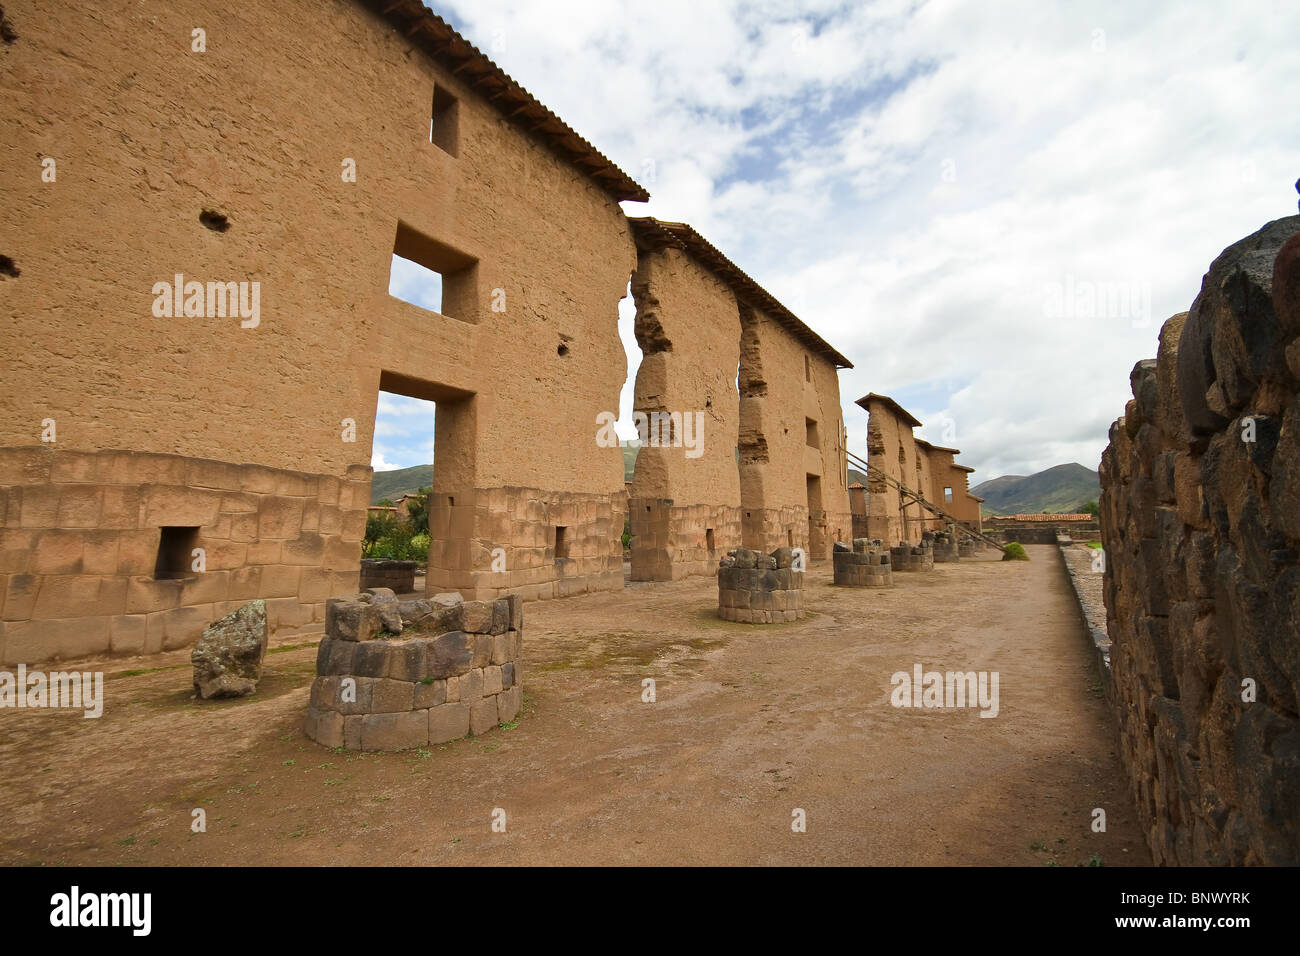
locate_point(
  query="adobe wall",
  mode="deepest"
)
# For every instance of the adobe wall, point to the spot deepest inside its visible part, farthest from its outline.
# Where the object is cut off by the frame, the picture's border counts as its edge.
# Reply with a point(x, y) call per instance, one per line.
point(776, 401)
point(1200, 519)
point(924, 468)
point(890, 448)
point(147, 135)
point(828, 459)
point(688, 329)
point(946, 473)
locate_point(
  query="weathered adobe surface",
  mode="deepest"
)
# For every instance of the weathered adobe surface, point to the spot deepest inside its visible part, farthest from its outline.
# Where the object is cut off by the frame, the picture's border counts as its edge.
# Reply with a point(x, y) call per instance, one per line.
point(1202, 534)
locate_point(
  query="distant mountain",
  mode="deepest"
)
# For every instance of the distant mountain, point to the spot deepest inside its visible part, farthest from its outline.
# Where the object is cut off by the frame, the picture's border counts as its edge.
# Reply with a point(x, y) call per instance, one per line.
point(858, 477)
point(393, 484)
point(629, 460)
point(1059, 489)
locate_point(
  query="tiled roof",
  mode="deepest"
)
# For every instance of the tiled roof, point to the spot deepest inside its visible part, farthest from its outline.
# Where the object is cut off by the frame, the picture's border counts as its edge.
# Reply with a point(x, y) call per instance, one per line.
point(656, 234)
point(428, 31)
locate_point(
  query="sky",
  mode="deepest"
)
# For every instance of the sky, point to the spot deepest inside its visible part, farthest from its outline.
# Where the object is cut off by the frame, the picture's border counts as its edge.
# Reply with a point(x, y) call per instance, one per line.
point(990, 209)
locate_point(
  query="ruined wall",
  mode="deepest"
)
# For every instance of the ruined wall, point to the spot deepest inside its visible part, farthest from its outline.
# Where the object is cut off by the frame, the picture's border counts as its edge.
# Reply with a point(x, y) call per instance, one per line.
point(828, 459)
point(1200, 519)
point(924, 468)
point(149, 134)
point(946, 473)
point(772, 483)
point(684, 504)
point(892, 449)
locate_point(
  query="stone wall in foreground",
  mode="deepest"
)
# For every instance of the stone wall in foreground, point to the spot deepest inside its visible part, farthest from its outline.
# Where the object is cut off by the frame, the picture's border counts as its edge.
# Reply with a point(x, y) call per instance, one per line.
point(1200, 518)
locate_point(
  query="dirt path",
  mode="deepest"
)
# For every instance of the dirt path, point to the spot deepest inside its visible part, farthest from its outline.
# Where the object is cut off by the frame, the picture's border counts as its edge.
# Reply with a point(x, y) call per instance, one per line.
point(749, 724)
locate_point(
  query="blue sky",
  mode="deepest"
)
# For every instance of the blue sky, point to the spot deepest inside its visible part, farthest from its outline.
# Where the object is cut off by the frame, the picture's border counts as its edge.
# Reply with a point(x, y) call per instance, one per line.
point(922, 181)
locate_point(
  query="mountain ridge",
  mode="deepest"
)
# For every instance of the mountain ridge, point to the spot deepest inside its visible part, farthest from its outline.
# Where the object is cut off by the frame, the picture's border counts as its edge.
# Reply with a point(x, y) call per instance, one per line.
point(1061, 488)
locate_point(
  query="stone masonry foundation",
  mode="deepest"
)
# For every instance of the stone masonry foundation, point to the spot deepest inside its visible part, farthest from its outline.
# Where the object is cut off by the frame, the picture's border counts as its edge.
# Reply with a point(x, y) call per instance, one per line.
point(85, 562)
point(758, 588)
point(866, 566)
point(396, 675)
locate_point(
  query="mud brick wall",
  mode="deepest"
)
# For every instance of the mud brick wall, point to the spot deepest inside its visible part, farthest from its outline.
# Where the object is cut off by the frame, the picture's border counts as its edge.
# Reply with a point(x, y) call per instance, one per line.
point(757, 588)
point(782, 386)
point(688, 329)
point(453, 669)
point(79, 546)
point(866, 566)
point(1201, 528)
point(398, 576)
point(546, 234)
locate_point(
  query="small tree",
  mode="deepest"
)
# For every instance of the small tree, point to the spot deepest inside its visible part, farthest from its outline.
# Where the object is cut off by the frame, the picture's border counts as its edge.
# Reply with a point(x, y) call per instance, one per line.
point(417, 508)
point(1088, 508)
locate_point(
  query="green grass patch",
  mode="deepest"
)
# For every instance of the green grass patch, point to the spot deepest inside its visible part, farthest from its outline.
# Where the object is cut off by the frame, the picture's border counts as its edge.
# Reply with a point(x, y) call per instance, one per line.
point(148, 670)
point(284, 649)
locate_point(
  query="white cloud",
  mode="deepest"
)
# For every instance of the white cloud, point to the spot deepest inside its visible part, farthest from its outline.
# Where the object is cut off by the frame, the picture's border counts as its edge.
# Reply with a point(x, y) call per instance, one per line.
point(917, 175)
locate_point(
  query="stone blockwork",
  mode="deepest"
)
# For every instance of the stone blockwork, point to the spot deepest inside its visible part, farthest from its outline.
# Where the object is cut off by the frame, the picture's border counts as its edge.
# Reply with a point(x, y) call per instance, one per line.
point(1200, 519)
point(526, 541)
point(392, 675)
point(671, 542)
point(945, 547)
point(86, 566)
point(397, 576)
point(866, 566)
point(755, 588)
point(913, 557)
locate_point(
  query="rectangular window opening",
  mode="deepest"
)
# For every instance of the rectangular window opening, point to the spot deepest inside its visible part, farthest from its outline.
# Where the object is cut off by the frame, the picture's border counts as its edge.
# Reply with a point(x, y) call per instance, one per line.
point(708, 539)
point(175, 553)
point(561, 542)
point(813, 436)
point(947, 495)
point(433, 276)
point(807, 369)
point(444, 124)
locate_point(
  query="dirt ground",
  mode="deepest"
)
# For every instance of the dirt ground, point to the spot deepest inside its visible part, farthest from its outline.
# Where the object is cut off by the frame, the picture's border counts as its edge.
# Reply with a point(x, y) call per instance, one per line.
point(750, 723)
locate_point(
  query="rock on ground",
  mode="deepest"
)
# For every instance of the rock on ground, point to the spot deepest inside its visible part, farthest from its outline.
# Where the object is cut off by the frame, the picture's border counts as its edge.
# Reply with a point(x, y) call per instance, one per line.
point(228, 657)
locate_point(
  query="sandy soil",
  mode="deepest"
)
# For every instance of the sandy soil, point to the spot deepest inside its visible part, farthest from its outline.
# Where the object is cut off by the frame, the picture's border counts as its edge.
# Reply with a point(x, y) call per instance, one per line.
point(749, 724)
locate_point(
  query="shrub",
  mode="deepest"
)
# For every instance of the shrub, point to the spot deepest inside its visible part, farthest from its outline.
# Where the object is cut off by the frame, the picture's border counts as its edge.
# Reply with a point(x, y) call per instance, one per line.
point(1015, 551)
point(389, 537)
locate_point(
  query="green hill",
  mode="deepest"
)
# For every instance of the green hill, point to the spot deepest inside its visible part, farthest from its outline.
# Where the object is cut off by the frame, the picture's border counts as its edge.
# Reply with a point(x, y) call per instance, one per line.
point(857, 476)
point(1059, 489)
point(391, 484)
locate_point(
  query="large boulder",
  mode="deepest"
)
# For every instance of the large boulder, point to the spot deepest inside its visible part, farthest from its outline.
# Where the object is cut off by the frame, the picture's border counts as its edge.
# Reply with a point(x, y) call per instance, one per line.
point(228, 657)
